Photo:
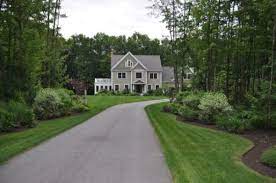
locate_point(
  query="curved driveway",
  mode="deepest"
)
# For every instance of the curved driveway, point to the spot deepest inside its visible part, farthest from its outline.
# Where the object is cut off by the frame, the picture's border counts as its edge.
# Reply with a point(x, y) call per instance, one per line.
point(116, 146)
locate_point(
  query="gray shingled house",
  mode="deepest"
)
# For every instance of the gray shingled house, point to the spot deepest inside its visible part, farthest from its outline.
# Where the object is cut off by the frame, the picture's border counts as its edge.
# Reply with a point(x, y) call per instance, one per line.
point(136, 73)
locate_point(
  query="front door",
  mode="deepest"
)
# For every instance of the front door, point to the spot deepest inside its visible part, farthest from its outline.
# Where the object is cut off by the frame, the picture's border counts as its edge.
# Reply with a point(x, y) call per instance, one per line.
point(138, 88)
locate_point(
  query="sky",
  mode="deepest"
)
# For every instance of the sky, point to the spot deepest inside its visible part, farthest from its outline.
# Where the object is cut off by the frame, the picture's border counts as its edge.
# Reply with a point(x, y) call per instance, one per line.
point(113, 17)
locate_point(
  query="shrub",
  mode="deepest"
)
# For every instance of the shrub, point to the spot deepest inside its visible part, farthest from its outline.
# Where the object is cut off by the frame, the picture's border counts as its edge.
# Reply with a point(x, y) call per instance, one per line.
point(6, 121)
point(256, 120)
point(157, 92)
point(269, 157)
point(232, 123)
point(180, 96)
point(23, 116)
point(47, 104)
point(187, 113)
point(105, 93)
point(171, 107)
point(213, 103)
point(15, 115)
point(192, 101)
point(52, 103)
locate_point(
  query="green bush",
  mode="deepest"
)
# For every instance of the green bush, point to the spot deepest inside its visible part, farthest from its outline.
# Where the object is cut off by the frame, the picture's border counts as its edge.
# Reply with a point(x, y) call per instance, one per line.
point(15, 115)
point(158, 92)
point(213, 103)
point(256, 120)
point(232, 123)
point(7, 122)
point(105, 93)
point(182, 95)
point(192, 101)
point(187, 113)
point(23, 116)
point(47, 104)
point(172, 108)
point(52, 103)
point(269, 157)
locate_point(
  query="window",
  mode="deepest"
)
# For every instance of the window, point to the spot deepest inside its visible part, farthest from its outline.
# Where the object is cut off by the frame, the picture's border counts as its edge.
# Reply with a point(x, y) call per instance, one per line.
point(106, 87)
point(188, 76)
point(138, 75)
point(116, 87)
point(157, 87)
point(149, 87)
point(129, 63)
point(153, 75)
point(121, 75)
point(126, 87)
point(110, 88)
point(101, 87)
point(97, 88)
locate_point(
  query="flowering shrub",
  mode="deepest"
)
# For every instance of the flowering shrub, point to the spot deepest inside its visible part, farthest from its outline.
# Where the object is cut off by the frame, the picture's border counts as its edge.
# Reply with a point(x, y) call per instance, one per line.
point(212, 104)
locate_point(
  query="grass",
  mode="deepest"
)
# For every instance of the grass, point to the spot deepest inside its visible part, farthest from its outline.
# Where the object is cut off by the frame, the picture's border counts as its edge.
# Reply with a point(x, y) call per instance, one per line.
point(269, 157)
point(12, 144)
point(200, 155)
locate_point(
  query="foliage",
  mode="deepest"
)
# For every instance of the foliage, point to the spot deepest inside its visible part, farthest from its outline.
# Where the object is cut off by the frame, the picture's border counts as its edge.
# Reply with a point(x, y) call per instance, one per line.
point(187, 113)
point(157, 92)
point(230, 44)
point(232, 123)
point(22, 114)
point(30, 47)
point(172, 108)
point(269, 157)
point(213, 103)
point(15, 115)
point(52, 103)
point(117, 93)
point(7, 122)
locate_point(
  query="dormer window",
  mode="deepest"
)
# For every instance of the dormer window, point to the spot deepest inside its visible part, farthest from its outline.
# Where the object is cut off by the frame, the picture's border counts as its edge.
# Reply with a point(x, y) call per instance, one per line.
point(129, 63)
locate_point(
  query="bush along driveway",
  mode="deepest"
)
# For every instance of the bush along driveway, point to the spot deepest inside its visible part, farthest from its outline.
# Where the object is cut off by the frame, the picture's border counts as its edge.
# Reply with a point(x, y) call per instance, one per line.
point(14, 143)
point(196, 154)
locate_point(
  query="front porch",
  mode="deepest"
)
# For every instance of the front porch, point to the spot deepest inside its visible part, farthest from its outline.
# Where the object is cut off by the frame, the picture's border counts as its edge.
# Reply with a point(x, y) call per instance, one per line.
point(139, 87)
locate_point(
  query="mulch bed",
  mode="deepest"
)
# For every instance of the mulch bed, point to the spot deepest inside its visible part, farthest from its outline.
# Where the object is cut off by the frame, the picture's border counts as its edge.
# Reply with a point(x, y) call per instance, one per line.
point(262, 139)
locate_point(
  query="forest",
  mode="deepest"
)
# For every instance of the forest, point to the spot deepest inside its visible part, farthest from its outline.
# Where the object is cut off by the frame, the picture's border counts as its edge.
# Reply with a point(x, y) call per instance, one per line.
point(230, 43)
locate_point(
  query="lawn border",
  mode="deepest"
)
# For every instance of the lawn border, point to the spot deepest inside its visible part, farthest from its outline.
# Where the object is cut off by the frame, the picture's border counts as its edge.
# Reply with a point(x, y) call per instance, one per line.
point(237, 156)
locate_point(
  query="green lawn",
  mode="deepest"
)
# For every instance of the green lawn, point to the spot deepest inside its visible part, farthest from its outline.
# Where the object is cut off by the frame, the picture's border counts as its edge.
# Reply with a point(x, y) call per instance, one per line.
point(14, 143)
point(196, 154)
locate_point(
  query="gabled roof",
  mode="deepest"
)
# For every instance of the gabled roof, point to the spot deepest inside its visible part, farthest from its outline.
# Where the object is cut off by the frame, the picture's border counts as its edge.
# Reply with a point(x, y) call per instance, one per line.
point(151, 62)
point(139, 82)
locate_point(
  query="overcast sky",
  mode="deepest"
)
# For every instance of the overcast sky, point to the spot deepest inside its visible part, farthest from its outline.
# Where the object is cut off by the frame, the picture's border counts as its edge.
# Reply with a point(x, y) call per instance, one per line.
point(113, 17)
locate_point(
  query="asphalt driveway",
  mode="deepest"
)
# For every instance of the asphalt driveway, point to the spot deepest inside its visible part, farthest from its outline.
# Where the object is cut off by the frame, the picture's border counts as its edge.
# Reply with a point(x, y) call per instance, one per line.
point(116, 146)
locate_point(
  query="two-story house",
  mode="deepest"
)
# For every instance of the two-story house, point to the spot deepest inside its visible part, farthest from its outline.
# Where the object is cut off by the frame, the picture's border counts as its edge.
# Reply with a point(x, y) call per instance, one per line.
point(139, 73)
point(136, 73)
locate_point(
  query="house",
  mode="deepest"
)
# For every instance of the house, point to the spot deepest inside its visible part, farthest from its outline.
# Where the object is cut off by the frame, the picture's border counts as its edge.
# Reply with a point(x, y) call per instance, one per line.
point(135, 73)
